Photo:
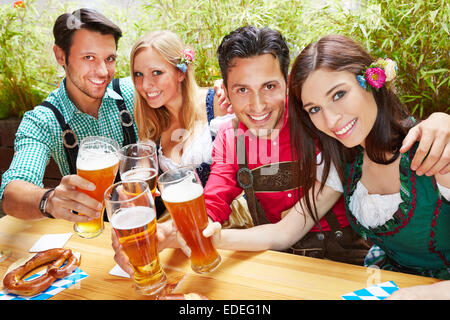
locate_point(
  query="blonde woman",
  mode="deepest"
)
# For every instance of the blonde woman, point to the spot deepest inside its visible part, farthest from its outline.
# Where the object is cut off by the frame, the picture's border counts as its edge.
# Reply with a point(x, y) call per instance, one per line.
point(170, 108)
point(174, 112)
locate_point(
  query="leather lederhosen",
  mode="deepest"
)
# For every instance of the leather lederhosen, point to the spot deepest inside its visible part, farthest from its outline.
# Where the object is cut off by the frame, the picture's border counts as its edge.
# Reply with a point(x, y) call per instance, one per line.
point(339, 244)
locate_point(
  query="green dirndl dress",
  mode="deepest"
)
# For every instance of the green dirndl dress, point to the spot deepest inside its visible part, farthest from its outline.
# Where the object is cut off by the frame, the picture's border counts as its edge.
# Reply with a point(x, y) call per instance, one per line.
point(417, 238)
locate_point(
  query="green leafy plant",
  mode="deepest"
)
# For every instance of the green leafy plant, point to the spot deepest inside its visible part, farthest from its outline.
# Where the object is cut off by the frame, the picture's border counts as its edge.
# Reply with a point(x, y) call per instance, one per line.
point(413, 33)
point(416, 35)
point(26, 73)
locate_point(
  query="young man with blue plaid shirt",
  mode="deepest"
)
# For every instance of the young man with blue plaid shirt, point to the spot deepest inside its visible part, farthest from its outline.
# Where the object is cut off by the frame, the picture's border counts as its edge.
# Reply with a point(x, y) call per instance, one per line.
point(85, 45)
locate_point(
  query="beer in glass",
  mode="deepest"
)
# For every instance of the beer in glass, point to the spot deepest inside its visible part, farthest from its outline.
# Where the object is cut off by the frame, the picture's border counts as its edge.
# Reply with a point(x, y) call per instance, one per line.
point(182, 193)
point(133, 219)
point(98, 162)
point(139, 161)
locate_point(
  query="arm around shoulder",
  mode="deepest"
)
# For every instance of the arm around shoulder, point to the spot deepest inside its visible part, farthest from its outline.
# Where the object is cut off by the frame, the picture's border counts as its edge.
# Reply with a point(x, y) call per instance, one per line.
point(443, 179)
point(433, 154)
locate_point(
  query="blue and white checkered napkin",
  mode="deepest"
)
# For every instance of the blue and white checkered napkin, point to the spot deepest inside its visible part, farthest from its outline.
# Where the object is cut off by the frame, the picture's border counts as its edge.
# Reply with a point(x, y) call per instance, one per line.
point(56, 287)
point(377, 292)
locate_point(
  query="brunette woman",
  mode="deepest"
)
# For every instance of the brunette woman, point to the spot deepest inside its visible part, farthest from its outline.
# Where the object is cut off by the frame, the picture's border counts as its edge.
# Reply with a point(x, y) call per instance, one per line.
point(342, 103)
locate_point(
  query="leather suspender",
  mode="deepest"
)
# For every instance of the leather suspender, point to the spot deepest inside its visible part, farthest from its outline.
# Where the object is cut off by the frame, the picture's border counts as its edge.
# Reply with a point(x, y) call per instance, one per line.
point(286, 178)
point(70, 140)
point(245, 180)
point(124, 116)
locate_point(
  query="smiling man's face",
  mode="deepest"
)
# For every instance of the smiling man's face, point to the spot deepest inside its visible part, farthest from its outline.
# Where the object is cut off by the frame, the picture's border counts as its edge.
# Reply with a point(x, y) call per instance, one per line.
point(257, 90)
point(91, 64)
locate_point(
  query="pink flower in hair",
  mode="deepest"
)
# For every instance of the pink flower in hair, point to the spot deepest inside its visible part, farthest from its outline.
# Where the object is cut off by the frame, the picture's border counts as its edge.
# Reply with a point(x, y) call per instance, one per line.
point(186, 59)
point(375, 77)
point(188, 54)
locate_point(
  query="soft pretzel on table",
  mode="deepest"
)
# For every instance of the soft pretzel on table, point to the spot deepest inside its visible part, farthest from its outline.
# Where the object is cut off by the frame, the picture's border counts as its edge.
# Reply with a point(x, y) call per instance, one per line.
point(183, 296)
point(14, 283)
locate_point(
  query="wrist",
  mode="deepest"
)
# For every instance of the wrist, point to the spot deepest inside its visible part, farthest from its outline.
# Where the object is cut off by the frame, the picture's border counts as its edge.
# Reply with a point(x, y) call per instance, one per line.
point(44, 203)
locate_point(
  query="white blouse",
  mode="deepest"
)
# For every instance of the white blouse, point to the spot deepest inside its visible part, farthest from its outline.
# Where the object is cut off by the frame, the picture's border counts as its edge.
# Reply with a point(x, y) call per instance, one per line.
point(371, 210)
point(199, 150)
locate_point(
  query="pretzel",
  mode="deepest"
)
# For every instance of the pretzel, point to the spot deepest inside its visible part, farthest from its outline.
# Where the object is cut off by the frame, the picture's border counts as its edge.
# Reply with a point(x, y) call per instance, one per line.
point(14, 283)
point(183, 296)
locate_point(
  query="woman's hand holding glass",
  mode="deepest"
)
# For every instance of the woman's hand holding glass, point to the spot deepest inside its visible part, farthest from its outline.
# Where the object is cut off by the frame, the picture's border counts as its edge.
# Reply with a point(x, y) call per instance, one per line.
point(166, 235)
point(131, 212)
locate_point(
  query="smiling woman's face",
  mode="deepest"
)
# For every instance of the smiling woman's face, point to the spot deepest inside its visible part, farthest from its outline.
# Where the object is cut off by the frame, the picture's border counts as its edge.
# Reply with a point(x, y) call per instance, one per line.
point(339, 106)
point(156, 80)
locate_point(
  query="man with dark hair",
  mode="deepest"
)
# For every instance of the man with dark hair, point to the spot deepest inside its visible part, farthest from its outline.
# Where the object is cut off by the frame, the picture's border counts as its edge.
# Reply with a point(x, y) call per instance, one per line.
point(254, 63)
point(68, 23)
point(250, 41)
point(87, 102)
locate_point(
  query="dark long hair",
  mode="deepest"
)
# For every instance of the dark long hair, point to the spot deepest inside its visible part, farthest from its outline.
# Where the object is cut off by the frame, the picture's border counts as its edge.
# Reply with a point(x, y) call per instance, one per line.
point(338, 53)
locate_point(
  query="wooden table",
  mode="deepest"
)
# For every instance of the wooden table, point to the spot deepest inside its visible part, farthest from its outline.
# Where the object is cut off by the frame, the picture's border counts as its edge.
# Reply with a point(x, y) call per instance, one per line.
point(241, 276)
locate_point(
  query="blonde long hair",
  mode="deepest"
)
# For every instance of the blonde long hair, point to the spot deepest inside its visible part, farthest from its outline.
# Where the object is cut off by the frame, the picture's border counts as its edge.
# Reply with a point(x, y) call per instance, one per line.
point(153, 122)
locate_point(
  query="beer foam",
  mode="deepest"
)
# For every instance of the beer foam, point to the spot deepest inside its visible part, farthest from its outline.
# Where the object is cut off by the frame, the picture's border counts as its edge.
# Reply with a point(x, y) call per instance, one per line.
point(96, 163)
point(138, 173)
point(134, 217)
point(182, 192)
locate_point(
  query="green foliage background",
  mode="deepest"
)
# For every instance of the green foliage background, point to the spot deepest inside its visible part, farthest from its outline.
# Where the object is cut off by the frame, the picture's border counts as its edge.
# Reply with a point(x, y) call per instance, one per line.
point(413, 33)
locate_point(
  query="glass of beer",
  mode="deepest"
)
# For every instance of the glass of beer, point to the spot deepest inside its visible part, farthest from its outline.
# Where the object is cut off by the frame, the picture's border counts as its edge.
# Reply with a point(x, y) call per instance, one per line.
point(133, 218)
point(98, 162)
point(182, 193)
point(139, 161)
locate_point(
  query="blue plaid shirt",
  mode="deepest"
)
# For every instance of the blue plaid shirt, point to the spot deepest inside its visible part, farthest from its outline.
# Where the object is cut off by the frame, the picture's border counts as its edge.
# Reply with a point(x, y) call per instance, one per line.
point(39, 135)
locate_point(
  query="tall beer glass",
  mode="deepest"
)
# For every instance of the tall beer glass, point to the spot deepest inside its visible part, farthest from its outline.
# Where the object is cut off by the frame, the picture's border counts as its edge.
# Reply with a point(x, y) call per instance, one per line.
point(133, 219)
point(139, 161)
point(98, 162)
point(182, 193)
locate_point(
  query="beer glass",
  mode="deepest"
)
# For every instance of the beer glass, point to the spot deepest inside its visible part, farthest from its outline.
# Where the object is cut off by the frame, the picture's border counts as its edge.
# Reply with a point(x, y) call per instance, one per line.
point(182, 193)
point(139, 161)
point(98, 162)
point(133, 218)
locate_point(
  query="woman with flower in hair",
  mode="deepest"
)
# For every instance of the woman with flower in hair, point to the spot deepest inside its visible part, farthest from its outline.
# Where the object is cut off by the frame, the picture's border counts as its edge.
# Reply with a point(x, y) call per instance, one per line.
point(170, 108)
point(341, 102)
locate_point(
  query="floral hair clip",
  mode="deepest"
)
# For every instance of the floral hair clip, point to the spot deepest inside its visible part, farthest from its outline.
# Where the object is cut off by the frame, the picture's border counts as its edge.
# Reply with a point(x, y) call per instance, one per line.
point(378, 73)
point(186, 59)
